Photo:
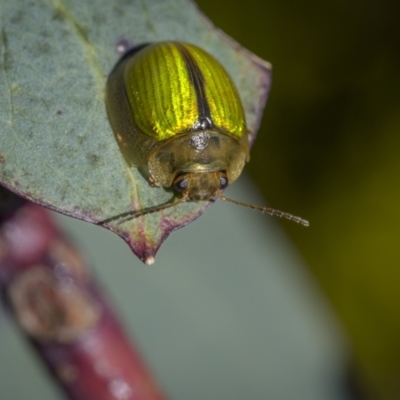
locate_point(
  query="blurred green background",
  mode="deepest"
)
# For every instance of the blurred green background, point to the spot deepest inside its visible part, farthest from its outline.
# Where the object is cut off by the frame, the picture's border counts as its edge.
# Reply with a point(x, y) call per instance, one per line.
point(329, 150)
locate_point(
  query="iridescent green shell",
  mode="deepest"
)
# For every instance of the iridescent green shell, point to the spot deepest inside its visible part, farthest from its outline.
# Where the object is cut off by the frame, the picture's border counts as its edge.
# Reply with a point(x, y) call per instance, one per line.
point(175, 92)
point(177, 87)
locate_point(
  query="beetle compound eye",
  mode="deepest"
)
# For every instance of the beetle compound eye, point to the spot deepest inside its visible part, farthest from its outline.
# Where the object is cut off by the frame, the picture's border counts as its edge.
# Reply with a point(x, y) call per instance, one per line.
point(223, 182)
point(181, 184)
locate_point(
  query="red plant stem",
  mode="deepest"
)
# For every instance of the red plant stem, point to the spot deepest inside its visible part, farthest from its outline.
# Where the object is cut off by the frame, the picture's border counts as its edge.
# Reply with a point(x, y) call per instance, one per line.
point(62, 311)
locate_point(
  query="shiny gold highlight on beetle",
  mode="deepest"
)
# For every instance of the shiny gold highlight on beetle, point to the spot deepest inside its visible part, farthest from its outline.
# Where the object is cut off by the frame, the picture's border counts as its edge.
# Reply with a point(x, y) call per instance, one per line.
point(175, 111)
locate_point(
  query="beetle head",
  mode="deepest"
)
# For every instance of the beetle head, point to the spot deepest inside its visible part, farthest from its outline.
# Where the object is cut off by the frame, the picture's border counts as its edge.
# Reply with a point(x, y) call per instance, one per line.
point(197, 186)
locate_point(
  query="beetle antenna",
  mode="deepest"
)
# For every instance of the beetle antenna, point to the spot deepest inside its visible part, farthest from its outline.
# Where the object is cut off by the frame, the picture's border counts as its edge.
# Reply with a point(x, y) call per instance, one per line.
point(270, 211)
point(125, 217)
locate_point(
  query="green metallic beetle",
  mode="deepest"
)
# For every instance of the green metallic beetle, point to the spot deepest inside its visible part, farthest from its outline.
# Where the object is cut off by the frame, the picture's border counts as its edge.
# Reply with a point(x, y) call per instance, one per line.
point(175, 110)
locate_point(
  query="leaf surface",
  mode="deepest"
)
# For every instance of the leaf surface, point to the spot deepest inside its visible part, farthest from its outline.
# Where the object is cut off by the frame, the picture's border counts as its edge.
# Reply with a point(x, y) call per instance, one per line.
point(56, 145)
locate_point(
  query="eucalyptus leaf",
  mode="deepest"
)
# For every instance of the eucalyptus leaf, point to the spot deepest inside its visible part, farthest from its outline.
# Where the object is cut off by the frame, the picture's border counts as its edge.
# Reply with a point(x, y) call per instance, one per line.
point(56, 145)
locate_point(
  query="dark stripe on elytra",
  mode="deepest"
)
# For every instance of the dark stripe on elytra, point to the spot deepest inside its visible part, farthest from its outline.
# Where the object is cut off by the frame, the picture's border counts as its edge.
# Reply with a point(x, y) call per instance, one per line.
point(197, 79)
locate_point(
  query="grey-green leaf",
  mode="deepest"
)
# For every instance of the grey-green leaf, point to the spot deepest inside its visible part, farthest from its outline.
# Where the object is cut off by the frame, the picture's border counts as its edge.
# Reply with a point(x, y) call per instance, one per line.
point(56, 144)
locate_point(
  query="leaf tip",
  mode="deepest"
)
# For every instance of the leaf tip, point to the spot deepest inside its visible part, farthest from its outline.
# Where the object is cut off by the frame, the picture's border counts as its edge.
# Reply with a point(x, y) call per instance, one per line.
point(149, 260)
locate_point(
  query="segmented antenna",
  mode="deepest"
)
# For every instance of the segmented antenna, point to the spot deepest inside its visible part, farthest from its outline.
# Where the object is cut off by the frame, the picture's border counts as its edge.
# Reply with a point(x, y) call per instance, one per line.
point(125, 217)
point(121, 218)
point(270, 211)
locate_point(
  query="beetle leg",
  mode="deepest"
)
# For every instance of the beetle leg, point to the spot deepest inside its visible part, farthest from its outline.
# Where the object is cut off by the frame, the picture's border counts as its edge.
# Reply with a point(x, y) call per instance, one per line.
point(153, 182)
